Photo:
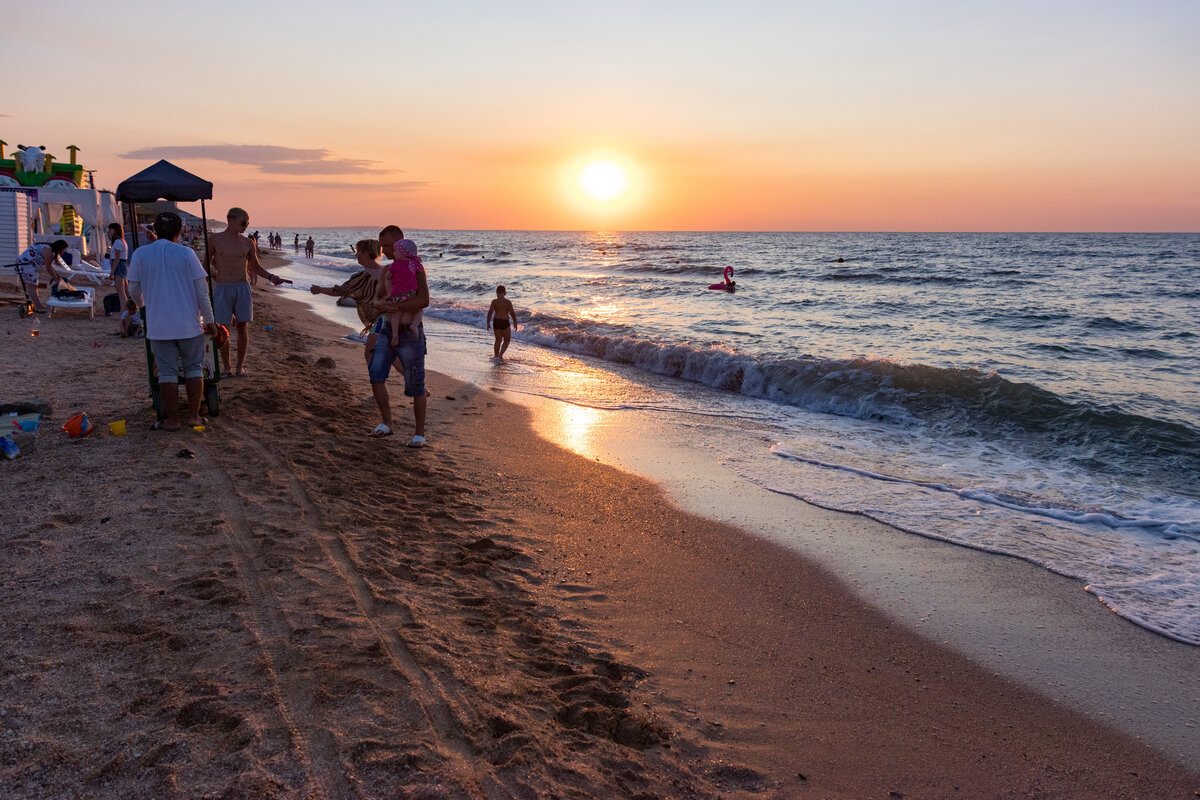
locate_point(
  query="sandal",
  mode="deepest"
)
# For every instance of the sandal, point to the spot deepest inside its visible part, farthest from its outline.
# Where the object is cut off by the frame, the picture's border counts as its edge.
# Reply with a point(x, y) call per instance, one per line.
point(417, 441)
point(380, 431)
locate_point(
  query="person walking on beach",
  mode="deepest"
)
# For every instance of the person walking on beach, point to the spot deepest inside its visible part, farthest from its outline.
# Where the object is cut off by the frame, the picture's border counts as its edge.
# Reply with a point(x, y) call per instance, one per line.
point(232, 259)
point(310, 247)
point(409, 350)
point(296, 243)
point(498, 316)
point(167, 278)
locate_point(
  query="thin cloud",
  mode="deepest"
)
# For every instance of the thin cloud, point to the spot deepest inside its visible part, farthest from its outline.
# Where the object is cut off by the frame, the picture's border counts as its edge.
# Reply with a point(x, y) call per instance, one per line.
point(271, 159)
point(347, 186)
point(395, 187)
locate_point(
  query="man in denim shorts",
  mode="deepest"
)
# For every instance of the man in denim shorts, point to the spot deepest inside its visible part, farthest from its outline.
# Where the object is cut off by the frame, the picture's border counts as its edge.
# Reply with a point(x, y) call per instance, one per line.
point(409, 351)
point(233, 258)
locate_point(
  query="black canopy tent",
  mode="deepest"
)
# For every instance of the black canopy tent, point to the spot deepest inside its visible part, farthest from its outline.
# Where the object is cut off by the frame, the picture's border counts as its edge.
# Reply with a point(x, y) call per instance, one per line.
point(165, 181)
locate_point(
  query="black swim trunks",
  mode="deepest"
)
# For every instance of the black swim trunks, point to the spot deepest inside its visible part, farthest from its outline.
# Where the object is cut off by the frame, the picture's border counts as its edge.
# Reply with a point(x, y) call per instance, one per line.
point(500, 324)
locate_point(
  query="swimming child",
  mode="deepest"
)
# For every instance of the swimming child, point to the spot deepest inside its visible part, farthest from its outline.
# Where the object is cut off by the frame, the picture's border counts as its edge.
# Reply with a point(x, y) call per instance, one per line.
point(400, 283)
point(501, 310)
point(131, 321)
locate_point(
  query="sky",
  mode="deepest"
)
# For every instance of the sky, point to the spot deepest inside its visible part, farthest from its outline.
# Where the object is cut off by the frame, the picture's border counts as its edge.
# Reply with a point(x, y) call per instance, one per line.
point(749, 115)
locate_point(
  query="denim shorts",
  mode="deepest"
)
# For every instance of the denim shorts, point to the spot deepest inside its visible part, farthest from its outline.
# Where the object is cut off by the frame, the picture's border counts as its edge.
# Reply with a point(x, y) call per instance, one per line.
point(122, 268)
point(410, 351)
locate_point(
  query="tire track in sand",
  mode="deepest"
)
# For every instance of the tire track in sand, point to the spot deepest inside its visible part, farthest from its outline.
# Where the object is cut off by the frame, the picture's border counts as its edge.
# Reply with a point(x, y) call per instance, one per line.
point(294, 692)
point(430, 694)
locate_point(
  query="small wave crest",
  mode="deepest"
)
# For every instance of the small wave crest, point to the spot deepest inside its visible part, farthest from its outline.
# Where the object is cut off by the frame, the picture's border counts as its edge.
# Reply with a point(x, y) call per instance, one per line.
point(948, 401)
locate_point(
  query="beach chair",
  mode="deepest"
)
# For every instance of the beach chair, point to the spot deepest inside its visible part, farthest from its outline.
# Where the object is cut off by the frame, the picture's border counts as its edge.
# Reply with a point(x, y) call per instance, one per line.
point(86, 303)
point(85, 271)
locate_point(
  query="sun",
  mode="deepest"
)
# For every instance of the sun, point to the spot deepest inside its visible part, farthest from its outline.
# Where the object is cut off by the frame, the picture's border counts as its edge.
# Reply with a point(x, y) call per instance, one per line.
point(603, 180)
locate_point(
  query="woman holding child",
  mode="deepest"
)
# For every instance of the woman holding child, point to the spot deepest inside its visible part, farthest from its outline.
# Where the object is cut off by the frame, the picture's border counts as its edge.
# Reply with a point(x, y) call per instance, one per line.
point(362, 287)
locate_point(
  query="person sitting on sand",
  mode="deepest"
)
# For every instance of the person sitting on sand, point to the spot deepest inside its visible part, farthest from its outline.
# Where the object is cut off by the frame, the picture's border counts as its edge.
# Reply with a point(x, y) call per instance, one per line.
point(399, 284)
point(499, 313)
point(131, 321)
point(169, 280)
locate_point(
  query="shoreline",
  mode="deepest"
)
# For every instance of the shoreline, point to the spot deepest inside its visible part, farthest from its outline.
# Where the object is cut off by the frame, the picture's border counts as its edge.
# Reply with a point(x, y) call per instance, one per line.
point(1017, 619)
point(540, 622)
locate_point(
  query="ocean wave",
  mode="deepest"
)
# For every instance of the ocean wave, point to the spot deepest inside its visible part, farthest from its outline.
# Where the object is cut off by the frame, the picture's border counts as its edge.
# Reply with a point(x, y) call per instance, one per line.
point(1108, 323)
point(1166, 528)
point(949, 401)
point(855, 276)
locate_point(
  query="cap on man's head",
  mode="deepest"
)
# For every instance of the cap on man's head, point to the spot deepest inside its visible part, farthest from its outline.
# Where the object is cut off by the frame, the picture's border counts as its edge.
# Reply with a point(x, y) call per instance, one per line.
point(167, 225)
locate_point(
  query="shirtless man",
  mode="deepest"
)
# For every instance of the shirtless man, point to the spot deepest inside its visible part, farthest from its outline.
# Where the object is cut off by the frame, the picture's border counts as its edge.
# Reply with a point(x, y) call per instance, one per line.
point(233, 258)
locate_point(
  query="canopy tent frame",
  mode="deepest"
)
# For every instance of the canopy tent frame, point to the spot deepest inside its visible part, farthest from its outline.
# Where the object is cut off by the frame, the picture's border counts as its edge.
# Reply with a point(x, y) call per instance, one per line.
point(165, 181)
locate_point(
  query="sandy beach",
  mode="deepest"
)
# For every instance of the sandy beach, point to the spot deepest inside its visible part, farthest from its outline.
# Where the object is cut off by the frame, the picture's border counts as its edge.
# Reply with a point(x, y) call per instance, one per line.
point(282, 607)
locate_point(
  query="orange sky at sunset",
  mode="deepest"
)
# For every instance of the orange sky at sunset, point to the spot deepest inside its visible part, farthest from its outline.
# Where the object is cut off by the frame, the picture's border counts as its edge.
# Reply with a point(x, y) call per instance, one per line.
point(749, 116)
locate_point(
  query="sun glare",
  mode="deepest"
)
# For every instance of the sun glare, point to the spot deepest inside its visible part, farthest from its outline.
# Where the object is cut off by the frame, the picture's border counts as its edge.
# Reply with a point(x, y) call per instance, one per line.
point(603, 180)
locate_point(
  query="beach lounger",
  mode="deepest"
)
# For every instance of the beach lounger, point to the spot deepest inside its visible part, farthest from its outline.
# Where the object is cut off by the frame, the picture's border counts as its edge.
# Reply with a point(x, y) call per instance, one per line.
point(94, 275)
point(87, 303)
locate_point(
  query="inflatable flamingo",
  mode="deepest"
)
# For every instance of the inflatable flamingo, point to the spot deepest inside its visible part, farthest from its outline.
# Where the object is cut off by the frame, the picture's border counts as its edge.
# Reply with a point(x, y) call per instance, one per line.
point(728, 285)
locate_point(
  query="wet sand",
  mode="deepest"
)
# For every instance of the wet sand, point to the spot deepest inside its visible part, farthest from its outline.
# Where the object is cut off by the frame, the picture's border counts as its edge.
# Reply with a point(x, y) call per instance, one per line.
point(299, 611)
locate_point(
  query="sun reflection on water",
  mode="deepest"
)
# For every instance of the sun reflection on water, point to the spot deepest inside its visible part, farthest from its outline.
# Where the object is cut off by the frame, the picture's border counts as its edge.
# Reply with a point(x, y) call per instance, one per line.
point(577, 426)
point(603, 312)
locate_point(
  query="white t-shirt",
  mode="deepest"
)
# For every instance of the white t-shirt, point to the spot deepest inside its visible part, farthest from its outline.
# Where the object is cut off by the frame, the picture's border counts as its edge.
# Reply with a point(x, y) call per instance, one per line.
point(167, 273)
point(119, 250)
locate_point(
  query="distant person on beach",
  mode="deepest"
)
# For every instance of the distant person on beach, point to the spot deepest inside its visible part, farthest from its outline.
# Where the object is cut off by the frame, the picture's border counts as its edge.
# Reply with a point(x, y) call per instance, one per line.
point(118, 261)
point(296, 243)
point(310, 247)
point(361, 287)
point(399, 284)
point(498, 316)
point(43, 256)
point(168, 278)
point(232, 259)
point(410, 350)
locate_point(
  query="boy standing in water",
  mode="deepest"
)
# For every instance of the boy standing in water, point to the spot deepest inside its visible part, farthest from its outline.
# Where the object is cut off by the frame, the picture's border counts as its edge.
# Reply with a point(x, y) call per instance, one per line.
point(499, 313)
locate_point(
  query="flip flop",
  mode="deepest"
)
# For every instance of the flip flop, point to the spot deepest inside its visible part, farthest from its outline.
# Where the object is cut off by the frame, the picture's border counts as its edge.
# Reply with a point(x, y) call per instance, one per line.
point(417, 441)
point(380, 431)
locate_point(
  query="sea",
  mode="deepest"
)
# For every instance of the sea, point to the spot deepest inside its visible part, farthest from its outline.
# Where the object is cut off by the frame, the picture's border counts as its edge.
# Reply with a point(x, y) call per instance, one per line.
point(1034, 395)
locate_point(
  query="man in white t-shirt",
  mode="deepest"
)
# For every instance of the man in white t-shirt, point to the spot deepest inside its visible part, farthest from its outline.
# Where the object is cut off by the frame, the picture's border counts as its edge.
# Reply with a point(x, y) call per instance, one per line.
point(168, 280)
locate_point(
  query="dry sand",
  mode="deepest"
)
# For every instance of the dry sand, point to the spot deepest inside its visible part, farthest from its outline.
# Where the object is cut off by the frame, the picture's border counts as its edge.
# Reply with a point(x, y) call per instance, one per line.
point(300, 611)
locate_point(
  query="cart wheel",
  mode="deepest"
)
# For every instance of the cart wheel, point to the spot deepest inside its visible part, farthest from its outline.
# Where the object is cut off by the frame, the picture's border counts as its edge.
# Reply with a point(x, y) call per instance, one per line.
point(156, 399)
point(212, 399)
